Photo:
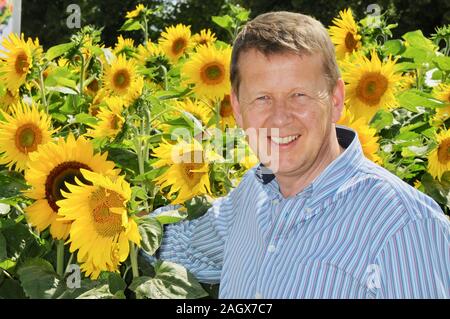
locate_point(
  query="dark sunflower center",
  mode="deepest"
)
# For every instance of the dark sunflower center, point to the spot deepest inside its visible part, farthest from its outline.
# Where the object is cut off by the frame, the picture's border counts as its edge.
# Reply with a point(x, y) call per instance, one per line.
point(178, 46)
point(371, 88)
point(93, 86)
point(121, 79)
point(350, 42)
point(106, 223)
point(444, 151)
point(21, 65)
point(212, 73)
point(190, 176)
point(28, 137)
point(56, 179)
point(225, 107)
point(115, 122)
point(94, 109)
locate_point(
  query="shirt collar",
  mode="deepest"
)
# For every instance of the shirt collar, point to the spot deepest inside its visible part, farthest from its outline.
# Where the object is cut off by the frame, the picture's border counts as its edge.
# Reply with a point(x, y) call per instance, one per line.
point(332, 177)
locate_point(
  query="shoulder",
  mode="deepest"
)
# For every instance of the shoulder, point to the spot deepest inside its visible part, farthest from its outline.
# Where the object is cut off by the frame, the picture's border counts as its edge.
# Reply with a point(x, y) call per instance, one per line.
point(378, 184)
point(387, 203)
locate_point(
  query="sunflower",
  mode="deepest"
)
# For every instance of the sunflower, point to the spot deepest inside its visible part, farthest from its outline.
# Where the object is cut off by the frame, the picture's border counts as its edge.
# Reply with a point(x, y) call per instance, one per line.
point(439, 158)
point(226, 113)
point(49, 168)
point(8, 98)
point(21, 133)
point(197, 108)
point(121, 79)
point(124, 46)
point(371, 85)
point(146, 53)
point(209, 70)
point(442, 92)
point(18, 60)
point(99, 98)
point(110, 119)
point(344, 34)
point(204, 37)
point(175, 40)
point(136, 12)
point(245, 156)
point(101, 228)
point(93, 87)
point(366, 135)
point(188, 169)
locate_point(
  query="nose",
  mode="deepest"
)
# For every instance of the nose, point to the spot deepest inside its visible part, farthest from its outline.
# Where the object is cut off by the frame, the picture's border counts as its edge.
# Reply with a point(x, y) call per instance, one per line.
point(281, 114)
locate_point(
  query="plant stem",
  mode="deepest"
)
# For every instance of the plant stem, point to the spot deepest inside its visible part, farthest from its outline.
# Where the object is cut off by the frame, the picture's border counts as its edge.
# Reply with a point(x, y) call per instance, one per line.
point(145, 30)
point(60, 257)
point(218, 114)
point(42, 87)
point(69, 262)
point(133, 259)
point(166, 82)
point(81, 74)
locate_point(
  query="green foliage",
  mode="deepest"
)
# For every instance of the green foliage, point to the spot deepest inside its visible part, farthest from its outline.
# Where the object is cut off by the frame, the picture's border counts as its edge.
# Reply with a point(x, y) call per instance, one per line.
point(171, 281)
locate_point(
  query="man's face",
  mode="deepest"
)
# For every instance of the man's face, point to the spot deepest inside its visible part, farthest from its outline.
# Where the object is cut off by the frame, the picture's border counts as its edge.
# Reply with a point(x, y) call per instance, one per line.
point(289, 93)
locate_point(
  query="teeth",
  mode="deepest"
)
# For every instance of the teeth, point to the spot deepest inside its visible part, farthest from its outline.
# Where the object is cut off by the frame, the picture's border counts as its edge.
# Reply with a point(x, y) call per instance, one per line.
point(284, 140)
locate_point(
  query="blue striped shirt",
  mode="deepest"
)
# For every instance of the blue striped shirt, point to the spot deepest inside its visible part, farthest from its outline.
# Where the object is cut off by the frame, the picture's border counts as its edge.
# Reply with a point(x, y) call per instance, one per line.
point(357, 231)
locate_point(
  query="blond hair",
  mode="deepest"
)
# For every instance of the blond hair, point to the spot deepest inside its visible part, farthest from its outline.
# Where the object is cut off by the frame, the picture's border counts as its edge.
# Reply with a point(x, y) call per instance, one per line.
point(280, 32)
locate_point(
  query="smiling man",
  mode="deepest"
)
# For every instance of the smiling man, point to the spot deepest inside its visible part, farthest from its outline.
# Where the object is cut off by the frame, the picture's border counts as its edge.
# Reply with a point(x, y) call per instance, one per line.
point(321, 221)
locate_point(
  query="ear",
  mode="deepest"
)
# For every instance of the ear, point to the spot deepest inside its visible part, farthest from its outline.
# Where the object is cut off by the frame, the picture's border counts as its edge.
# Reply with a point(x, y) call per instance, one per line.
point(338, 100)
point(236, 108)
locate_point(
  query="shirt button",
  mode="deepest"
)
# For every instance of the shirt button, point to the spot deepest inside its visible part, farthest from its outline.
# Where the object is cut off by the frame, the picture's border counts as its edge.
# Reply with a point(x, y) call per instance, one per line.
point(275, 201)
point(271, 248)
point(258, 295)
point(308, 210)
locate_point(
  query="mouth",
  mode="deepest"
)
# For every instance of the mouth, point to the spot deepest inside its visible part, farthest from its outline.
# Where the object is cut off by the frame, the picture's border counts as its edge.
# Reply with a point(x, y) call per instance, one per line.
point(284, 141)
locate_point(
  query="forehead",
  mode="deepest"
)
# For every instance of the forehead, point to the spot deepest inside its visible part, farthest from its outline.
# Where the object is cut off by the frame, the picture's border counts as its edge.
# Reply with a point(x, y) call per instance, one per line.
point(256, 67)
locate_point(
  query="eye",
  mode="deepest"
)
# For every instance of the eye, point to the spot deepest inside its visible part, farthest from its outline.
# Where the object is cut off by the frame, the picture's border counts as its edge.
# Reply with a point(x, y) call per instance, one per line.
point(298, 94)
point(263, 98)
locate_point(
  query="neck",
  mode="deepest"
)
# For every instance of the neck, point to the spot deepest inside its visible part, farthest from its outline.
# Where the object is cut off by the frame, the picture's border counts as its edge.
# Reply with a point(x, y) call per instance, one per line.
point(291, 184)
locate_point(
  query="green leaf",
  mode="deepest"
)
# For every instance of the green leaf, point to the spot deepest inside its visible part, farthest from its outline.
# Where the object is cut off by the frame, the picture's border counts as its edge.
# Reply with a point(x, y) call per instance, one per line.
point(138, 192)
point(197, 207)
point(442, 62)
point(171, 216)
point(417, 40)
point(61, 89)
point(38, 279)
point(243, 16)
point(11, 183)
point(171, 281)
point(10, 289)
point(382, 120)
point(58, 50)
point(21, 242)
point(3, 254)
point(413, 98)
point(7, 265)
point(392, 47)
point(151, 234)
point(439, 190)
point(414, 151)
point(4, 209)
point(130, 25)
point(64, 292)
point(116, 283)
point(101, 292)
point(60, 117)
point(225, 21)
point(86, 119)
